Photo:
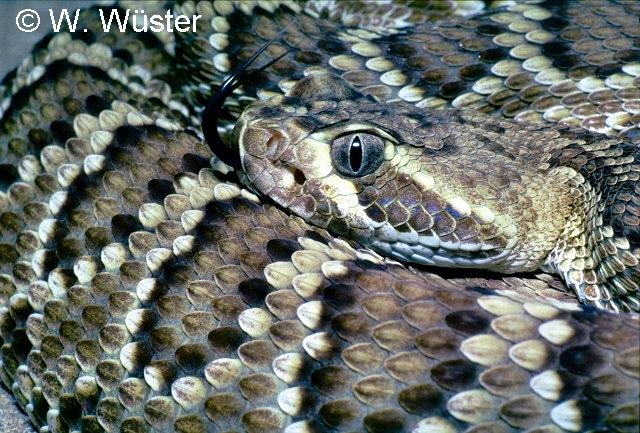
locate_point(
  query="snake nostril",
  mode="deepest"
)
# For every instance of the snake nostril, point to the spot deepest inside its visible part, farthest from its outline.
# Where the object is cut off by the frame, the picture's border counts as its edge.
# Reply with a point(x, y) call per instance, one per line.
point(274, 142)
point(299, 177)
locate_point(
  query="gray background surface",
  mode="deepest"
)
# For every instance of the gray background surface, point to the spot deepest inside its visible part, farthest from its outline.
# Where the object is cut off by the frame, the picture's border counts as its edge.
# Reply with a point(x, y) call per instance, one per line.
point(14, 46)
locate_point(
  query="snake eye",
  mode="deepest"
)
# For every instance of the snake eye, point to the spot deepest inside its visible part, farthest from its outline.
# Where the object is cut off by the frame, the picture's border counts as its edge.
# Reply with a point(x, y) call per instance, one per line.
point(357, 154)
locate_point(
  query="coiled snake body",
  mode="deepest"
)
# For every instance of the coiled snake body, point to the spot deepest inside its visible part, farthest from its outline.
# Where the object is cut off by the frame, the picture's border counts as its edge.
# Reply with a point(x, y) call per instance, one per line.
point(143, 289)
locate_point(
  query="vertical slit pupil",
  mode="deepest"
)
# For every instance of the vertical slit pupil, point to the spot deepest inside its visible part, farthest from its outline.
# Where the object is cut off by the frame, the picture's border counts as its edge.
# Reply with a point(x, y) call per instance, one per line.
point(355, 154)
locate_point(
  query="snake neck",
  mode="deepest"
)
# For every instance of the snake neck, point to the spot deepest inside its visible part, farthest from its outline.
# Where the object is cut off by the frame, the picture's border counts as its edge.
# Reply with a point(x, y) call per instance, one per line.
point(598, 250)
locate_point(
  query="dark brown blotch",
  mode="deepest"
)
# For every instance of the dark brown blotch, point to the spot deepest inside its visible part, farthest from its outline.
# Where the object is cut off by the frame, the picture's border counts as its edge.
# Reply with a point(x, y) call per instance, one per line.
point(455, 374)
point(340, 414)
point(468, 322)
point(288, 334)
point(493, 55)
point(342, 296)
point(331, 46)
point(385, 421)
point(473, 72)
point(438, 343)
point(402, 50)
point(332, 380)
point(226, 339)
point(611, 389)
point(224, 408)
point(192, 357)
point(585, 360)
point(165, 338)
point(423, 399)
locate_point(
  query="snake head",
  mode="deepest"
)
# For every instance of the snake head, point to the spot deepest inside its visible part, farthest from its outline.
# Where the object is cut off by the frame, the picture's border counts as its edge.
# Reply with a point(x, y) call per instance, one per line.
point(419, 186)
point(315, 150)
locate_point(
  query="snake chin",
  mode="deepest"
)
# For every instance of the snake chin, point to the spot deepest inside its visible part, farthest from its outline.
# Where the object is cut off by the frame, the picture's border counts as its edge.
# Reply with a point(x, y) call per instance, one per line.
point(442, 256)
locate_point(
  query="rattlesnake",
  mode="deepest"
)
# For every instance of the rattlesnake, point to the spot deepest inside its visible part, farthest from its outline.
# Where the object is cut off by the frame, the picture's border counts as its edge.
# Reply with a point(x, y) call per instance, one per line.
point(144, 289)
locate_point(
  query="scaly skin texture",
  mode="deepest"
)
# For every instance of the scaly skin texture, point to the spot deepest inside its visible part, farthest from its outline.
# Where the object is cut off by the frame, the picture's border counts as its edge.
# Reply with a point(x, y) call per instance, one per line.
point(455, 188)
point(571, 63)
point(559, 61)
point(143, 291)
